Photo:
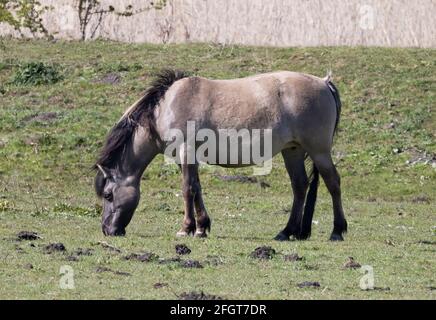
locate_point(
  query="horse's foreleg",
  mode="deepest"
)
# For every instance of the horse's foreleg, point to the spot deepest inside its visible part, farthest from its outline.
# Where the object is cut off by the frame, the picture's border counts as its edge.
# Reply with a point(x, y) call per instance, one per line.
point(332, 180)
point(189, 192)
point(203, 220)
point(294, 162)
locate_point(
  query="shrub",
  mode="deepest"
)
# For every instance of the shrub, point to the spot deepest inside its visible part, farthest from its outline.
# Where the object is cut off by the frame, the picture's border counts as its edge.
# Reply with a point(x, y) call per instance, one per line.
point(36, 73)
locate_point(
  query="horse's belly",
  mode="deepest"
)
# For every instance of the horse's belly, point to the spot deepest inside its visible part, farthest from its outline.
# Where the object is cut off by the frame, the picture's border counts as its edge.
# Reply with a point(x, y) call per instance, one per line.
point(235, 149)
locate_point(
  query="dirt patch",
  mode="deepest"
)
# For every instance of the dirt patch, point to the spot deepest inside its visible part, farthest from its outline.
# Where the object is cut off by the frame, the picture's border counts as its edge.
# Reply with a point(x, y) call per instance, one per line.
point(293, 257)
point(110, 78)
point(182, 249)
point(420, 157)
point(193, 264)
point(198, 296)
point(238, 178)
point(105, 269)
point(311, 267)
point(54, 247)
point(352, 264)
point(243, 179)
point(145, 257)
point(264, 252)
point(28, 266)
point(169, 260)
point(214, 260)
point(427, 242)
point(309, 284)
point(28, 235)
point(421, 199)
point(42, 117)
point(160, 285)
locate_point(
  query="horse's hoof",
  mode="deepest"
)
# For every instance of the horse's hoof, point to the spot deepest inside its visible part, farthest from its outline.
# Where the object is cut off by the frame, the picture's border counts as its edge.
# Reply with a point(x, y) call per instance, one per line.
point(281, 237)
point(182, 233)
point(336, 237)
point(200, 234)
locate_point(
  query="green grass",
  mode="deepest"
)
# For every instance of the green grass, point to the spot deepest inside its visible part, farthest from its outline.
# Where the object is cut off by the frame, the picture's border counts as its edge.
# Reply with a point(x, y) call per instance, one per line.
point(50, 136)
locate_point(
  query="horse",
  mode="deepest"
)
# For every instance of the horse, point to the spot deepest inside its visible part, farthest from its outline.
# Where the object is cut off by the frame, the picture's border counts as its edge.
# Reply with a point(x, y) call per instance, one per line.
point(301, 111)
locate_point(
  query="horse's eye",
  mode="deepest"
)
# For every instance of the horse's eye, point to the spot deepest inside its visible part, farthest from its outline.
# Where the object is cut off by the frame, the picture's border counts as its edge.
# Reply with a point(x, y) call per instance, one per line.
point(108, 196)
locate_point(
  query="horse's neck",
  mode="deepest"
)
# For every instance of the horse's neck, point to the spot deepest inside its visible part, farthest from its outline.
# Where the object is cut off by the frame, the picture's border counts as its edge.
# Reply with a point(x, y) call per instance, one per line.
point(139, 152)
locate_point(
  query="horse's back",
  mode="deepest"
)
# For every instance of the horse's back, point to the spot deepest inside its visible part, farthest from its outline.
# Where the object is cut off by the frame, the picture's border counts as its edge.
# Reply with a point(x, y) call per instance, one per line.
point(297, 107)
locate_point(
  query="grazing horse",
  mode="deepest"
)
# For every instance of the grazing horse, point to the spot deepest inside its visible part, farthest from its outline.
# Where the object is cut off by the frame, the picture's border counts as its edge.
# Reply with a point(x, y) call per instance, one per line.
point(302, 111)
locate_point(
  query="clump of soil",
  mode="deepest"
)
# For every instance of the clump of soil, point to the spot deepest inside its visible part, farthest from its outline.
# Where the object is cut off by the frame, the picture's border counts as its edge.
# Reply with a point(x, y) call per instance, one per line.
point(309, 284)
point(111, 78)
point(105, 269)
point(351, 264)
point(264, 252)
point(381, 288)
point(198, 296)
point(182, 249)
point(80, 252)
point(54, 247)
point(169, 260)
point(264, 185)
point(293, 257)
point(191, 264)
point(72, 258)
point(160, 285)
point(84, 252)
point(145, 257)
point(27, 235)
point(109, 247)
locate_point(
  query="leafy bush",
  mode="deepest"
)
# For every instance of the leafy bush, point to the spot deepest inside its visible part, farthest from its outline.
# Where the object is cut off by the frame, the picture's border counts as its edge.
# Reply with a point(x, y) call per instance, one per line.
point(36, 73)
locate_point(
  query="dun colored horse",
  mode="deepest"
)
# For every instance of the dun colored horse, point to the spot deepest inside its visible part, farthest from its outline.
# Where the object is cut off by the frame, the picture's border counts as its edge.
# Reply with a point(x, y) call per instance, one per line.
point(301, 111)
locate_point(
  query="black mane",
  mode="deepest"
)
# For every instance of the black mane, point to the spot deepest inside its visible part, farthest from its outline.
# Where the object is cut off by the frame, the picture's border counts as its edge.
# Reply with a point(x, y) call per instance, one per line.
point(122, 132)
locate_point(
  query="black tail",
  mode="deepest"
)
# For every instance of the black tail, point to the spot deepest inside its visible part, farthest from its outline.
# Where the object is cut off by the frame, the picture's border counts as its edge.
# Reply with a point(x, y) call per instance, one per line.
point(335, 93)
point(309, 207)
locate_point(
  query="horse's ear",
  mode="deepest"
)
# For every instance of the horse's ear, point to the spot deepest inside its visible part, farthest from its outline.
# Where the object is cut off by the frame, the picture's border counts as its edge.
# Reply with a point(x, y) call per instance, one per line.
point(103, 171)
point(99, 184)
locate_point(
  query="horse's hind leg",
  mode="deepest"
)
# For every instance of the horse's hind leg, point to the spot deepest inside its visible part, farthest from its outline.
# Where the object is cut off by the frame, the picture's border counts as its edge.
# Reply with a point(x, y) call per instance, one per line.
point(189, 187)
point(332, 180)
point(203, 220)
point(294, 162)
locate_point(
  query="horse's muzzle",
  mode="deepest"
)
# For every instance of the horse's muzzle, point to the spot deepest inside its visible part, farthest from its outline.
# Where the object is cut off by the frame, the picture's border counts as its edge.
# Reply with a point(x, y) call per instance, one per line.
point(111, 231)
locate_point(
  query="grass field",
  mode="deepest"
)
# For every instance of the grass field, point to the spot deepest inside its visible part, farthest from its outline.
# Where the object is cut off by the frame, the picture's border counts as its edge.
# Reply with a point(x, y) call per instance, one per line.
point(50, 135)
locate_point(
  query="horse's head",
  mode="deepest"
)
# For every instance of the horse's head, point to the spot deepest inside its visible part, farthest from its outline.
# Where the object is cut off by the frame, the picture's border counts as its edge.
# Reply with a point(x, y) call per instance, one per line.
point(120, 197)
